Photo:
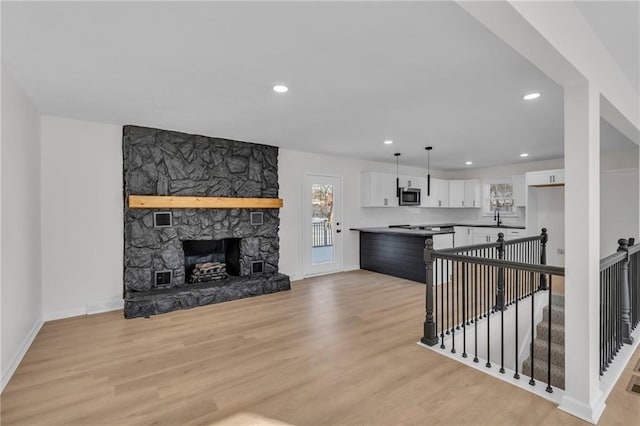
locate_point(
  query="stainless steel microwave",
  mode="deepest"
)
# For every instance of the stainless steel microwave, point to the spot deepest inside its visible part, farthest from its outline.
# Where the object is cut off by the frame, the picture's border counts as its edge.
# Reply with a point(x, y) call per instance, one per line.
point(409, 196)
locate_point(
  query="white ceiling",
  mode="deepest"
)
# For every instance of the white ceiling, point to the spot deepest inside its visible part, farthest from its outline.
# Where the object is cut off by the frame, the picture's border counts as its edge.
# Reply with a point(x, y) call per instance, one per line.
point(359, 73)
point(617, 24)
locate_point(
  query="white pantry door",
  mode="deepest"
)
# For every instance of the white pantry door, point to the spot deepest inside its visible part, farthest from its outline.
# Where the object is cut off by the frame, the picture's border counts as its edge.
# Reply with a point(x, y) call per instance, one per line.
point(322, 237)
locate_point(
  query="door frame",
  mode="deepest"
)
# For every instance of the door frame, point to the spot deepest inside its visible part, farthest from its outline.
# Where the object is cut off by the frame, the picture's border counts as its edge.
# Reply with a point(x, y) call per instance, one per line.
point(306, 236)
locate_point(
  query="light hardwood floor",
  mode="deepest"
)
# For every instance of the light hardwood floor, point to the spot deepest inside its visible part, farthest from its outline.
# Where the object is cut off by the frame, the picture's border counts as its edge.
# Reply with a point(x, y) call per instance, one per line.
point(336, 350)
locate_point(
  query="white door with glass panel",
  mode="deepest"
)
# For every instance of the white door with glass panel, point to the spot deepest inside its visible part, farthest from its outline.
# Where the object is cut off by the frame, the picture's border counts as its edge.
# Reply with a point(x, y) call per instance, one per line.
point(323, 226)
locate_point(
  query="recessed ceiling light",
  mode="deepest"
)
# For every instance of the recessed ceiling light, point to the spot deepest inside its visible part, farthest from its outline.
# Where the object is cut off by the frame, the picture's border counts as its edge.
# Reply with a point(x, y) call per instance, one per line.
point(468, 163)
point(388, 142)
point(280, 88)
point(524, 154)
point(531, 96)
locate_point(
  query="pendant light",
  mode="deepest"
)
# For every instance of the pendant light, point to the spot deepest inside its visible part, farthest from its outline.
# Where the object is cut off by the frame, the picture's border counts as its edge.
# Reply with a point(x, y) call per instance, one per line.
point(428, 148)
point(397, 155)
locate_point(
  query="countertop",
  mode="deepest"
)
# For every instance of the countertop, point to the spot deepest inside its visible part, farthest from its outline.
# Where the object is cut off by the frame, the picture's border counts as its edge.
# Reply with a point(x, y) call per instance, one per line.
point(446, 228)
point(475, 225)
point(407, 232)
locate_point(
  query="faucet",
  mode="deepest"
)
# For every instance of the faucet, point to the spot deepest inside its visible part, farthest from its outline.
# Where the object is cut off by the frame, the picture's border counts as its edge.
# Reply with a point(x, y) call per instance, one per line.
point(496, 217)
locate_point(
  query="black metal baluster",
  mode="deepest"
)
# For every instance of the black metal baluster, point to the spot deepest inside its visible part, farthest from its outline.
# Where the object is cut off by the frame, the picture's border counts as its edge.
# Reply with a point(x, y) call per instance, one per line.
point(600, 321)
point(464, 310)
point(475, 311)
point(501, 335)
point(458, 302)
point(454, 269)
point(616, 310)
point(618, 307)
point(609, 318)
point(549, 388)
point(442, 307)
point(486, 288)
point(532, 382)
point(516, 376)
point(488, 364)
point(435, 291)
point(449, 310)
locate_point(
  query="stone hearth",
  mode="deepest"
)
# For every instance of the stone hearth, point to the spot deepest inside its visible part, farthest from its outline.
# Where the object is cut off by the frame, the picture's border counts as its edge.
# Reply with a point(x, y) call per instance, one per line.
point(159, 162)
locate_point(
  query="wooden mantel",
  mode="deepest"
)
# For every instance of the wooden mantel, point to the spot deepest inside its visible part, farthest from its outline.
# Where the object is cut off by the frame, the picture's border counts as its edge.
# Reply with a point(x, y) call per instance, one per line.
point(179, 202)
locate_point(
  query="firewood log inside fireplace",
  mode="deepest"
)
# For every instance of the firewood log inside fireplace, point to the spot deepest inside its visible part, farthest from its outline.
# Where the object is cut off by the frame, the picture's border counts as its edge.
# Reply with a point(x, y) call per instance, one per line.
point(209, 271)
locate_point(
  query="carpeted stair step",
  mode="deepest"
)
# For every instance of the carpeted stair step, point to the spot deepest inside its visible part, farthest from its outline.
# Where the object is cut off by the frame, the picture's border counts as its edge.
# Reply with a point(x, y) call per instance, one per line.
point(540, 373)
point(557, 314)
point(541, 352)
point(557, 332)
point(557, 300)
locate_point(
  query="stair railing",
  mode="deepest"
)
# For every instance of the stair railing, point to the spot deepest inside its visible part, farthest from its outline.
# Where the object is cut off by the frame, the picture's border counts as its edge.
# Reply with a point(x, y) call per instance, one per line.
point(619, 300)
point(470, 285)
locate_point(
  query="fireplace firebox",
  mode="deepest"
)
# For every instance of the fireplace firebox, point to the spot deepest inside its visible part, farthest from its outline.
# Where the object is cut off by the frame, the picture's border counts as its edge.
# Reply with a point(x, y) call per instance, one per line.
point(210, 260)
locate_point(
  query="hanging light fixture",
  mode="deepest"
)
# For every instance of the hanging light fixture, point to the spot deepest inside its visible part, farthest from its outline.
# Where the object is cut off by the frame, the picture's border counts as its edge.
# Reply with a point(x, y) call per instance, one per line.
point(428, 148)
point(397, 155)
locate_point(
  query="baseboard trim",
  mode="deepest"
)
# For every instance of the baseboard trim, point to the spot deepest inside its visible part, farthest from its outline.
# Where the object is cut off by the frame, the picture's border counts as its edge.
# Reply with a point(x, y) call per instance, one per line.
point(620, 362)
point(296, 277)
point(351, 268)
point(91, 309)
point(67, 313)
point(99, 308)
point(583, 411)
point(17, 359)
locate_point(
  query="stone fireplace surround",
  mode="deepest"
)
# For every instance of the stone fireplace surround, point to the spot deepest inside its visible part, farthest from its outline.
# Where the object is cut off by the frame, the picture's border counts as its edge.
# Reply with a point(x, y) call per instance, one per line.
point(159, 162)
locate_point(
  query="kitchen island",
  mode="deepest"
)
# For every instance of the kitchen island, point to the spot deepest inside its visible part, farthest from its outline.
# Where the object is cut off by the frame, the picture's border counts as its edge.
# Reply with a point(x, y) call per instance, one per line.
point(399, 250)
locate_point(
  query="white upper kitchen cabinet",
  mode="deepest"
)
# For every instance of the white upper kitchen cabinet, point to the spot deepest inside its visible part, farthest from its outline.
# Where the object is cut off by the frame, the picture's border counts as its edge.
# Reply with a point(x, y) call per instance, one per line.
point(545, 178)
point(456, 193)
point(464, 193)
point(519, 190)
point(378, 190)
point(409, 181)
point(439, 193)
point(472, 193)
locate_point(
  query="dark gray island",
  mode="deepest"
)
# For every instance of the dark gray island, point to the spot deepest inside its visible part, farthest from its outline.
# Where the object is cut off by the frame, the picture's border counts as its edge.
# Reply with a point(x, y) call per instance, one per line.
point(398, 250)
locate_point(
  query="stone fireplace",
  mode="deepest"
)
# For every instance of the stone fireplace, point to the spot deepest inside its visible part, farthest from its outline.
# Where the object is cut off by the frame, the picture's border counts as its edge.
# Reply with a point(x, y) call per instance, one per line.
point(235, 252)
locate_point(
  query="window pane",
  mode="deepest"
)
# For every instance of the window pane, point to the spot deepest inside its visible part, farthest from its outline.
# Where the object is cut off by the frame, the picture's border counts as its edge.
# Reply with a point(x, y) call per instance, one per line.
point(501, 197)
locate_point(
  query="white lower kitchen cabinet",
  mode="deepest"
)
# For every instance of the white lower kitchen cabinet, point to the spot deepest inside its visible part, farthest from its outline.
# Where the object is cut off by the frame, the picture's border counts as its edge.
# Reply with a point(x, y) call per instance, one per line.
point(485, 235)
point(442, 241)
point(514, 234)
point(462, 236)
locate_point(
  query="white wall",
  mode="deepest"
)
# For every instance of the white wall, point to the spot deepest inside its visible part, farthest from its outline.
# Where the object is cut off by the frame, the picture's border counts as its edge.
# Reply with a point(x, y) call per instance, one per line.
point(20, 225)
point(82, 225)
point(618, 210)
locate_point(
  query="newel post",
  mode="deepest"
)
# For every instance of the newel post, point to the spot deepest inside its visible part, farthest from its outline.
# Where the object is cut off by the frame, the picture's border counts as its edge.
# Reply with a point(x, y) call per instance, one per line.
point(500, 305)
point(544, 237)
point(626, 304)
point(430, 337)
